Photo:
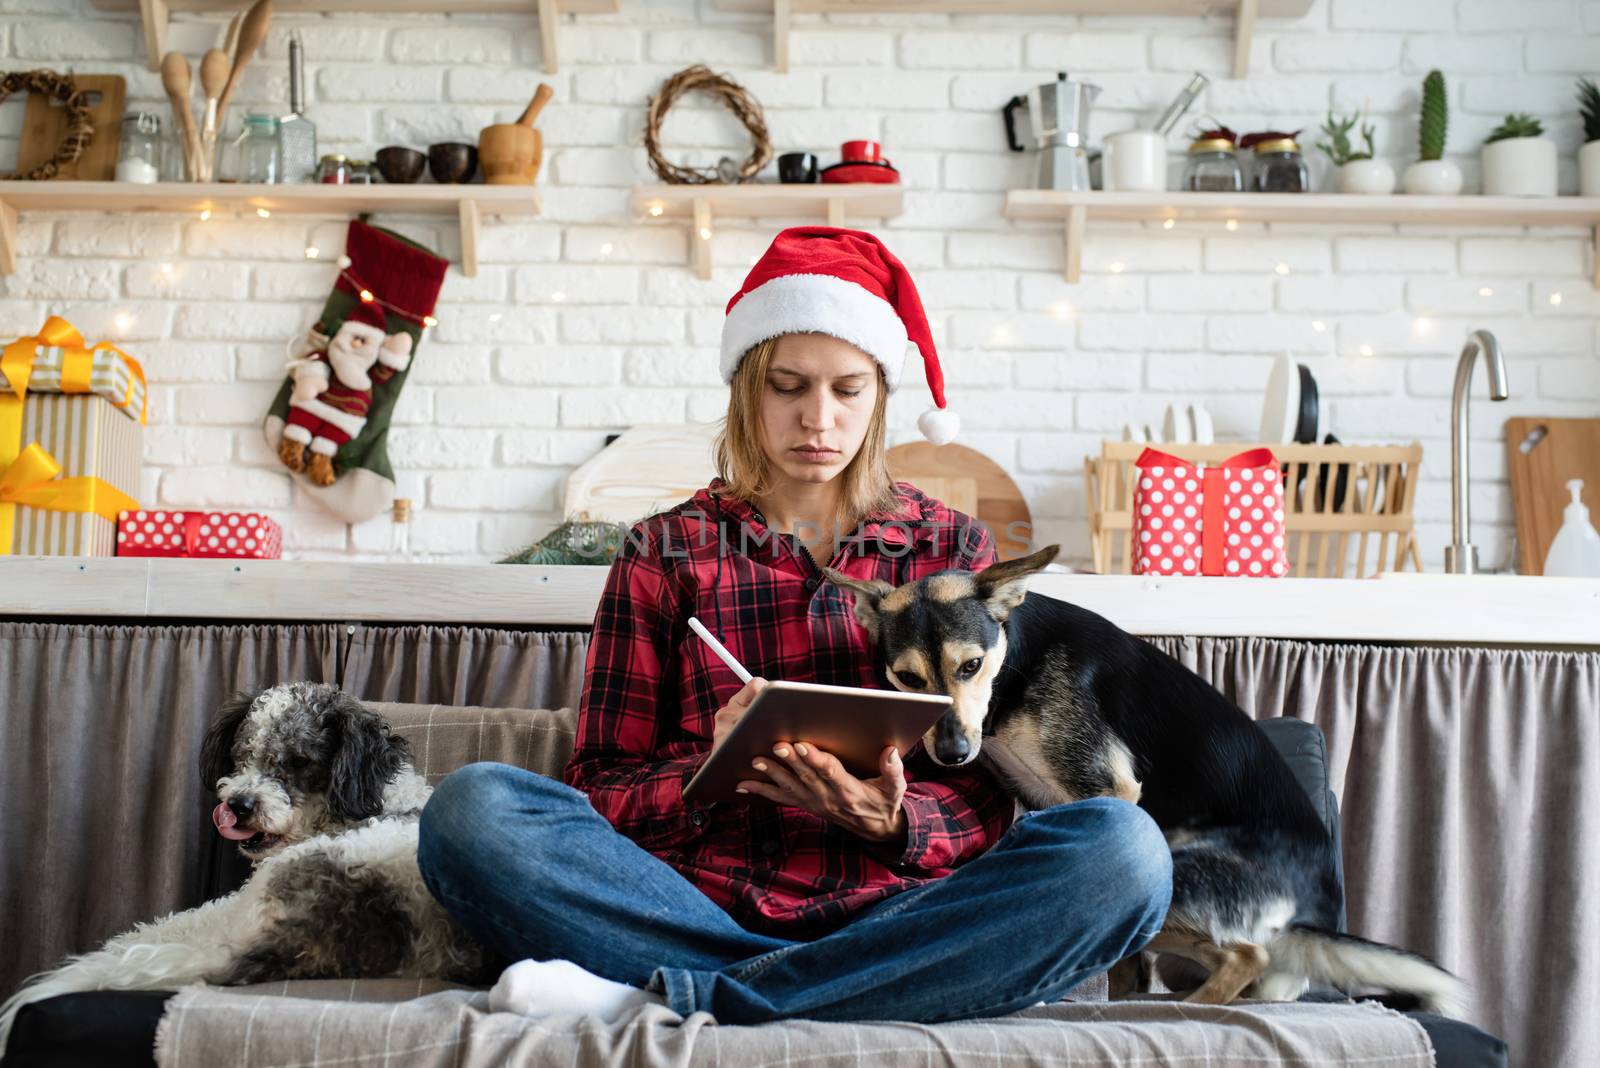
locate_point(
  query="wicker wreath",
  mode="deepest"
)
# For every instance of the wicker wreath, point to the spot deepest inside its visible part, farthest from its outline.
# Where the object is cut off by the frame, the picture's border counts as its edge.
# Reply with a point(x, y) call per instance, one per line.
point(744, 108)
point(80, 131)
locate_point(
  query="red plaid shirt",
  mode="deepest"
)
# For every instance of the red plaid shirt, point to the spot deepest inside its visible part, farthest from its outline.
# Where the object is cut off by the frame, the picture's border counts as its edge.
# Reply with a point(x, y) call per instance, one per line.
point(652, 689)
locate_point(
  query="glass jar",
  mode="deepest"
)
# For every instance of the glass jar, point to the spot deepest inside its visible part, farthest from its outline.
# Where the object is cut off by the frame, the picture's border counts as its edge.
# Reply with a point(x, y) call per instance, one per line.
point(333, 170)
point(139, 151)
point(1279, 167)
point(400, 531)
point(259, 159)
point(361, 172)
point(1212, 167)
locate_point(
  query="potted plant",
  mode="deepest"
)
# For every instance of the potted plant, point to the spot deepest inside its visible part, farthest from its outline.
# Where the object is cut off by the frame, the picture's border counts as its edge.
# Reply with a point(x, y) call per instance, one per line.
point(1518, 161)
point(1589, 154)
point(1432, 173)
point(1357, 172)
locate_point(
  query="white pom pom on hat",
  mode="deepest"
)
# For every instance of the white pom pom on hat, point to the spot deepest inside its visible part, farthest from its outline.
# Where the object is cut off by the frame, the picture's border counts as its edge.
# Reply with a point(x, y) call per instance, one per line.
point(847, 284)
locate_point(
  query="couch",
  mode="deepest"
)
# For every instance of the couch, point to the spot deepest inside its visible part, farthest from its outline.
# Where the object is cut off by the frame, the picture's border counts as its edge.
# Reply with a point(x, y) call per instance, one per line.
point(111, 1028)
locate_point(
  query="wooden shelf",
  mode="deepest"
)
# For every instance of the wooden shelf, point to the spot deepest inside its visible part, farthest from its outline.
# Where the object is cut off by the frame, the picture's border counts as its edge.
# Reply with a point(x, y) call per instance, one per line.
point(1245, 14)
point(469, 203)
point(156, 14)
point(1077, 208)
point(762, 200)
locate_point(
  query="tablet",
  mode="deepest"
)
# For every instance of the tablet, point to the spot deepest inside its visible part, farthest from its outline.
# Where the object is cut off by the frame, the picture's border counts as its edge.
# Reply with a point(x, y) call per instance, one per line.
point(853, 723)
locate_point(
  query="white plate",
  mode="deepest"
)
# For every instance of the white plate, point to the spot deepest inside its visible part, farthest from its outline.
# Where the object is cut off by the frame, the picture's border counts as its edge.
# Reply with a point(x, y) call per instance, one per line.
point(1132, 432)
point(1201, 419)
point(1280, 410)
point(1175, 428)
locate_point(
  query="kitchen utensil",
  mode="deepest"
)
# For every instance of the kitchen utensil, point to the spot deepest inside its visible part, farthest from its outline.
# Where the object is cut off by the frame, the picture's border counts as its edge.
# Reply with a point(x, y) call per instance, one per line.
point(1280, 410)
point(176, 81)
point(213, 76)
point(252, 32)
point(1175, 427)
point(797, 168)
point(452, 162)
point(139, 153)
point(512, 151)
point(1200, 419)
point(1133, 432)
point(861, 152)
point(1543, 455)
point(400, 165)
point(1058, 116)
point(1135, 160)
point(875, 173)
point(44, 125)
point(297, 135)
point(1180, 104)
point(260, 154)
point(541, 97)
point(957, 472)
point(1307, 419)
point(232, 40)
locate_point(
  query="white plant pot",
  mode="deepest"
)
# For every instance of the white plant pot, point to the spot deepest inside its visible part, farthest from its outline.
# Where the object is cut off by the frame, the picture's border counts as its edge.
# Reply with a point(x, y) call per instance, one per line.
point(1432, 177)
point(1371, 177)
point(1589, 170)
point(1520, 167)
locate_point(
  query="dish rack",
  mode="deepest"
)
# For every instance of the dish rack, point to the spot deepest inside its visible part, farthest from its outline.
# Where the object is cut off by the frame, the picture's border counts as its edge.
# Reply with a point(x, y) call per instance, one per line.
point(1337, 497)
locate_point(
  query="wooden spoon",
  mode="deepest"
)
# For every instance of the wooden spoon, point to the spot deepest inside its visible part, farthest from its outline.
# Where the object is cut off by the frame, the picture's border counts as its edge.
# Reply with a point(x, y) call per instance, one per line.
point(213, 76)
point(540, 98)
point(233, 35)
point(252, 32)
point(175, 79)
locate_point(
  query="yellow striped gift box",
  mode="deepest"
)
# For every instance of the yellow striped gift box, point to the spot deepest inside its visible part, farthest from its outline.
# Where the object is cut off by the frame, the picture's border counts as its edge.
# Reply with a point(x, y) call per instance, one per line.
point(88, 435)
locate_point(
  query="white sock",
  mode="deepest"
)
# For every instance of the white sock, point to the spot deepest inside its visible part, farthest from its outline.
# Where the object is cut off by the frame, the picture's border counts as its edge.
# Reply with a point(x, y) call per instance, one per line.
point(544, 987)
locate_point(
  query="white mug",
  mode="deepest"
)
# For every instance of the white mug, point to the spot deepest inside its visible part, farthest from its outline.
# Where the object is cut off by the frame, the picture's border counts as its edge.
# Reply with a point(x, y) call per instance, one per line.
point(1135, 160)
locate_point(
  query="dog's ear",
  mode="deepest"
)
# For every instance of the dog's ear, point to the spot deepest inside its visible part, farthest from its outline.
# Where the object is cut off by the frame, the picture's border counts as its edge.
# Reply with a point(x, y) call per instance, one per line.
point(366, 758)
point(1002, 586)
point(216, 750)
point(867, 595)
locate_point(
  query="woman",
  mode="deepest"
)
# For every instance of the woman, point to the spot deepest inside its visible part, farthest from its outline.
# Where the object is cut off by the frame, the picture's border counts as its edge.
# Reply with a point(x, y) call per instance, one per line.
point(912, 895)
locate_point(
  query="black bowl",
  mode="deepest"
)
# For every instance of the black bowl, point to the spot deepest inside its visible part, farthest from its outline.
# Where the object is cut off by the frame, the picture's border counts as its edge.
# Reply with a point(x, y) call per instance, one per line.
point(452, 161)
point(797, 168)
point(400, 165)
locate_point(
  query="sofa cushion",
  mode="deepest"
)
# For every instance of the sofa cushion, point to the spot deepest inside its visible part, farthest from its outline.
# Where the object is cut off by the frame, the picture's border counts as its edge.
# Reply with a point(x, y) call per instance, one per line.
point(445, 737)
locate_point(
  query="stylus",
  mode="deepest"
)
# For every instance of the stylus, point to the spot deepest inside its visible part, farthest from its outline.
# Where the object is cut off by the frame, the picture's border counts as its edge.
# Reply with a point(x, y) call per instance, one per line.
point(716, 647)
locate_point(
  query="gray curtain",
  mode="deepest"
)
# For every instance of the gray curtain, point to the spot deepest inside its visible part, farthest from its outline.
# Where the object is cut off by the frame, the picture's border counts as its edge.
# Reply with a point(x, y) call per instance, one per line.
point(476, 666)
point(100, 799)
point(1467, 779)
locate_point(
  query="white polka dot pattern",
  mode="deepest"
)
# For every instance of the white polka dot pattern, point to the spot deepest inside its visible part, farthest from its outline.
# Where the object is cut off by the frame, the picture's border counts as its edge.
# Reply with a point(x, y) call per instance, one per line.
point(230, 535)
point(1170, 499)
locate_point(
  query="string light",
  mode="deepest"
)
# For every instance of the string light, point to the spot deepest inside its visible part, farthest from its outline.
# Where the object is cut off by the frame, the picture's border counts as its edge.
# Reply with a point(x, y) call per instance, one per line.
point(428, 320)
point(1365, 350)
point(1233, 224)
point(1555, 298)
point(264, 213)
point(166, 269)
point(1168, 224)
point(312, 252)
point(205, 214)
point(1485, 292)
point(123, 321)
point(655, 210)
point(1282, 268)
point(1318, 325)
point(367, 297)
point(1116, 268)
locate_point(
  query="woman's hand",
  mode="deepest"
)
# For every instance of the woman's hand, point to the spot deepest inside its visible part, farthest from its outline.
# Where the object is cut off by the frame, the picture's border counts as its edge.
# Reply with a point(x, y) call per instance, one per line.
point(808, 778)
point(730, 713)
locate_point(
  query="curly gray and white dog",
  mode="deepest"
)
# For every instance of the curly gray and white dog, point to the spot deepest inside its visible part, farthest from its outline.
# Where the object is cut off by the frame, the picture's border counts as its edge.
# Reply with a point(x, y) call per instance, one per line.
point(323, 800)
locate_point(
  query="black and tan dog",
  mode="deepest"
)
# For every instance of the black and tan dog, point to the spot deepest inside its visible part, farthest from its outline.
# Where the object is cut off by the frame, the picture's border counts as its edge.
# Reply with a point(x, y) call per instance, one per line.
point(1066, 705)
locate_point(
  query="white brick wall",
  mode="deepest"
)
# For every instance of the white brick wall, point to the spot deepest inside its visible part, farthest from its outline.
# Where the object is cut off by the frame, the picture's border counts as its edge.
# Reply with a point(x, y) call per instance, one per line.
point(587, 320)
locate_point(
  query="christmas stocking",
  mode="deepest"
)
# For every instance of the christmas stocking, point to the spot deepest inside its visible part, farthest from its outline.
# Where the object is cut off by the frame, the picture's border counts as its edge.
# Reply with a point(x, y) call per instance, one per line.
point(330, 422)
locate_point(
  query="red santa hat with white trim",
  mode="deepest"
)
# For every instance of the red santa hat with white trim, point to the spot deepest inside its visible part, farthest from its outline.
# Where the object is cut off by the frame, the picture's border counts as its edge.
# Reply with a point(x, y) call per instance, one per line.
point(847, 284)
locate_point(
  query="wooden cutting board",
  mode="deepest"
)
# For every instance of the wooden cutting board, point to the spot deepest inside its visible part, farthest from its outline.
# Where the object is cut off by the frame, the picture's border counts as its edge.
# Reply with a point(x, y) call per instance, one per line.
point(1542, 455)
point(970, 482)
point(44, 123)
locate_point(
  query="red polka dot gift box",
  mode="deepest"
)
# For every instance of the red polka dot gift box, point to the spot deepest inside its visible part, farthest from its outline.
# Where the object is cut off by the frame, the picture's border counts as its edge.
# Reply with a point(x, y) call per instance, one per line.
point(1189, 519)
point(233, 535)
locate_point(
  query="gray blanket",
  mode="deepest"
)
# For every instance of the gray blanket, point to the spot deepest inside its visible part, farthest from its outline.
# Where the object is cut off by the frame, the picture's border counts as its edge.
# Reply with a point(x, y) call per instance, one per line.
point(452, 1028)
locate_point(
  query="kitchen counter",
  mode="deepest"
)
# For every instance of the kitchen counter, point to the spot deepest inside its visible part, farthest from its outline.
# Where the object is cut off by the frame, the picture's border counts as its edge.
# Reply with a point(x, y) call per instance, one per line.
point(1478, 609)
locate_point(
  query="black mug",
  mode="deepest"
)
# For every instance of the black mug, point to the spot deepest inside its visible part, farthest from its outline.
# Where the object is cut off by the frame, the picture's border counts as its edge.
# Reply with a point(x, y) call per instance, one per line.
point(797, 168)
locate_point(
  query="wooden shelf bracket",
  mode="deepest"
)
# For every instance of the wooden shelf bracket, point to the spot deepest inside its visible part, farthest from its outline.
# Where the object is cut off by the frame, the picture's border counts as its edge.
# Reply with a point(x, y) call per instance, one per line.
point(8, 238)
point(1244, 25)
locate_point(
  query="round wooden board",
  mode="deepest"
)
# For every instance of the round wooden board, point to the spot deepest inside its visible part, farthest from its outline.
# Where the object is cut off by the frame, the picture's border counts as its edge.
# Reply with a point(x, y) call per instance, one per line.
point(970, 482)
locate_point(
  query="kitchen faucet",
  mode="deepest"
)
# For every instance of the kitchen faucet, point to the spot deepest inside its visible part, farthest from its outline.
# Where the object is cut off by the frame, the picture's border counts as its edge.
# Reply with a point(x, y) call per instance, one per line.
point(1461, 556)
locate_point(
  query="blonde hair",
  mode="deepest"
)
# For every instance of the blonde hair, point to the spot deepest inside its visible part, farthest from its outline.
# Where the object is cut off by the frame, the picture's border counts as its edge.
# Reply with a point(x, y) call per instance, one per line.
point(865, 486)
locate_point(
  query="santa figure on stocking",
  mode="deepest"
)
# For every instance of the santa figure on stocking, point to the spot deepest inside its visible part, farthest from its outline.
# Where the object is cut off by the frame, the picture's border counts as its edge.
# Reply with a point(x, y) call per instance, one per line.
point(333, 383)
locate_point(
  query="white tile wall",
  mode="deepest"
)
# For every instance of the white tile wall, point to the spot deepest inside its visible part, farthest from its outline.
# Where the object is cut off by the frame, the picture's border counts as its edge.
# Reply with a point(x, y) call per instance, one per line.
point(586, 320)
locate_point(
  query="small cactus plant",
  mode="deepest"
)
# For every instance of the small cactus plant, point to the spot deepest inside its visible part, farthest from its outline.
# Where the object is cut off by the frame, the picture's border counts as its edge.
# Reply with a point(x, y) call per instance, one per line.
point(1339, 151)
point(1589, 105)
point(1515, 126)
point(1435, 117)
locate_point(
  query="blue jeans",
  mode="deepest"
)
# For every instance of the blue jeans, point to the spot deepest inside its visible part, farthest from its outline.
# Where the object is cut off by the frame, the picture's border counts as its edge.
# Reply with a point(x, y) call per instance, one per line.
point(524, 863)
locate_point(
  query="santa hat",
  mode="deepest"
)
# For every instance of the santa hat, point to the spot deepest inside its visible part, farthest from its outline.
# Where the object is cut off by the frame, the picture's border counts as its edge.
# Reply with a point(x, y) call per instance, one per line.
point(847, 284)
point(368, 314)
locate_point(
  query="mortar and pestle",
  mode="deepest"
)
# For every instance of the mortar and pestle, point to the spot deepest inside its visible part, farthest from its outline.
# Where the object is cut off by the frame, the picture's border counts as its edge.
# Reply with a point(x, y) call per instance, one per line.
point(512, 151)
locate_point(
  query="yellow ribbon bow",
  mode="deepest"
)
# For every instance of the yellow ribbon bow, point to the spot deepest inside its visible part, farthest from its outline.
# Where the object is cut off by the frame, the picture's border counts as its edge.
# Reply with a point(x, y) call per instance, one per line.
point(31, 479)
point(77, 362)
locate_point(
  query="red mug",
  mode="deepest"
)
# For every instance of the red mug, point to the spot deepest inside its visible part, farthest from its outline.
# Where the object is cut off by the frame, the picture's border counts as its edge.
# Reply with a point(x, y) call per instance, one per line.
point(861, 152)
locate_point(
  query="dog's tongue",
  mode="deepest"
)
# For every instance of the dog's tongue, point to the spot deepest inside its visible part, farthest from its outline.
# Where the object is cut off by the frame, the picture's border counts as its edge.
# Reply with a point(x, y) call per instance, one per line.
point(226, 823)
